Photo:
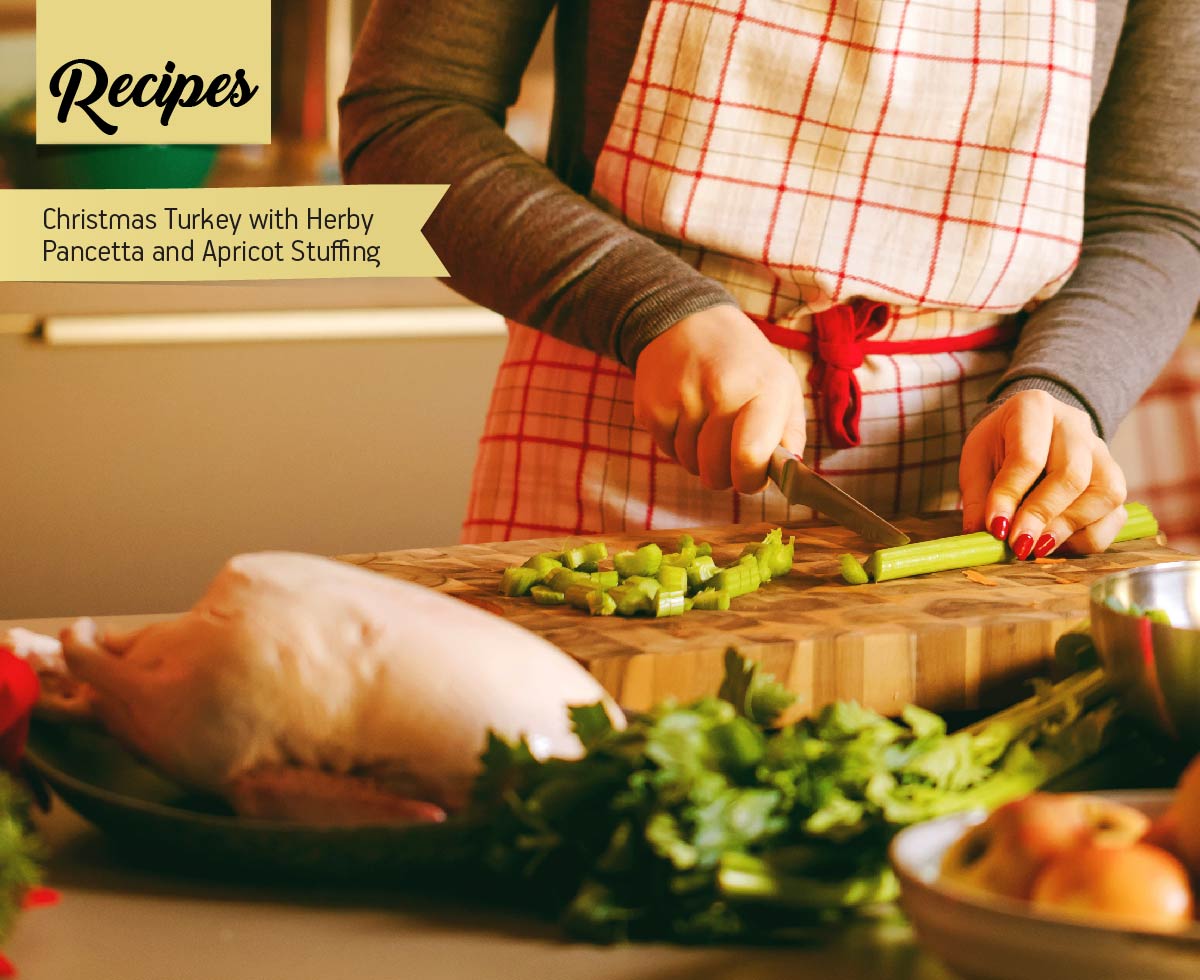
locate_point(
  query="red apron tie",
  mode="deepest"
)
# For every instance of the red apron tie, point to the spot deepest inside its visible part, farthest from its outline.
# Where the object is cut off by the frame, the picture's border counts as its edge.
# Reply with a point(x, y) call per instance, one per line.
point(838, 343)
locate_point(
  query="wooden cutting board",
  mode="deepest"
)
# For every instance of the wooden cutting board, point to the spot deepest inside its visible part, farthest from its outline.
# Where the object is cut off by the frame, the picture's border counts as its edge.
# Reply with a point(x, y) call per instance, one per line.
point(941, 641)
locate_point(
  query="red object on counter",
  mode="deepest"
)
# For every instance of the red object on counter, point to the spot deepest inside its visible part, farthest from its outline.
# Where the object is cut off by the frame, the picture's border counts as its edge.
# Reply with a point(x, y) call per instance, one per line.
point(18, 694)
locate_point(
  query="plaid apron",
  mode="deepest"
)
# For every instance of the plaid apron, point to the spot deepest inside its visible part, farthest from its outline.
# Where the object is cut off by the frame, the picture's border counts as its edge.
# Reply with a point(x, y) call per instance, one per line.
point(880, 184)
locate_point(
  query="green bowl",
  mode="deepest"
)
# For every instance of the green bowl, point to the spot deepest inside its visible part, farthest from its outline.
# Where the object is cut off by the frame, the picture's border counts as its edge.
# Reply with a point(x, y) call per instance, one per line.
point(30, 165)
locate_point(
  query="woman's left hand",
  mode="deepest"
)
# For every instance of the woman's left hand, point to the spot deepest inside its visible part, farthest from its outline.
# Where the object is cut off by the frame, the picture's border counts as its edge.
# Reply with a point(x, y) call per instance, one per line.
point(1035, 474)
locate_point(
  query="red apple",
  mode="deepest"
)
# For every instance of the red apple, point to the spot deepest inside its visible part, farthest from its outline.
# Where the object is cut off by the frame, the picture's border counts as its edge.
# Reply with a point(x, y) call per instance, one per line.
point(1004, 854)
point(1137, 886)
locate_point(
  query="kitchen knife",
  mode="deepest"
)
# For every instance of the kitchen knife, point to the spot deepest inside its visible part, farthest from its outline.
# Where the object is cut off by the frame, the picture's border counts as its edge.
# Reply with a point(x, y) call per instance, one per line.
point(802, 486)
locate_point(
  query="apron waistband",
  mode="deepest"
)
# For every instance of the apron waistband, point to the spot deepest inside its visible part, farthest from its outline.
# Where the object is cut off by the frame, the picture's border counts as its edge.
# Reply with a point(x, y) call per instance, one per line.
point(839, 342)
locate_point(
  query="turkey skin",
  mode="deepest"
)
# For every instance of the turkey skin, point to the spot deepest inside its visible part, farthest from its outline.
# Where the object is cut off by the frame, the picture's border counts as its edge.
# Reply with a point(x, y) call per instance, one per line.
point(305, 688)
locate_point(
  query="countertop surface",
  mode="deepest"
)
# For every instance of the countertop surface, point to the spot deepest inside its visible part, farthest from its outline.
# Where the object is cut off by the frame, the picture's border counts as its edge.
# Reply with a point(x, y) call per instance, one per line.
point(117, 919)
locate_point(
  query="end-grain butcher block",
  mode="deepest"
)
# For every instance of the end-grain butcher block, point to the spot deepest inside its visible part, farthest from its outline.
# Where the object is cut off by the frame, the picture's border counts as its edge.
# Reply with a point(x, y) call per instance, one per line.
point(946, 641)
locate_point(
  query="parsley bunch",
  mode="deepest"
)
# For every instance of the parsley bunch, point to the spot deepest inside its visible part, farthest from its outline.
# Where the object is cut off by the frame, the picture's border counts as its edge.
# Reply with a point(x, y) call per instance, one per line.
point(702, 822)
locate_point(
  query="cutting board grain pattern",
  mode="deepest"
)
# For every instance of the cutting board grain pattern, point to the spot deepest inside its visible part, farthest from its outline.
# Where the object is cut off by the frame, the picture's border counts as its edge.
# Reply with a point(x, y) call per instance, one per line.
point(942, 641)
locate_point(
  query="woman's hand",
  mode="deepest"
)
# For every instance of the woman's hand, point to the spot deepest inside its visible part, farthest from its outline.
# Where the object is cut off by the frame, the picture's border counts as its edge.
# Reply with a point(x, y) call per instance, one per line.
point(718, 398)
point(1033, 472)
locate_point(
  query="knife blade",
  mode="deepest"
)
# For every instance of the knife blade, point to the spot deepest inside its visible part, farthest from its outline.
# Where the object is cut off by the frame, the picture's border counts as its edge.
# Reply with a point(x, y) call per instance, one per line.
point(800, 485)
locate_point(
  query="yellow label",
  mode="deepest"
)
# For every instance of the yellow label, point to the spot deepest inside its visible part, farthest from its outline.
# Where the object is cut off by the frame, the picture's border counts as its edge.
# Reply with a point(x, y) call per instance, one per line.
point(197, 234)
point(145, 71)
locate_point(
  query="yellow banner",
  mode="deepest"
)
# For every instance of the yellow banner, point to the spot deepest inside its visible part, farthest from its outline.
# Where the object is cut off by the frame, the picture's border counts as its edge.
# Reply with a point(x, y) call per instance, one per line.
point(217, 234)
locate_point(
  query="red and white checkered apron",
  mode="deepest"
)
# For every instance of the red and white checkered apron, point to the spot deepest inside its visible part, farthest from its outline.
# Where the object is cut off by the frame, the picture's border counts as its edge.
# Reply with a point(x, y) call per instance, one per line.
point(880, 184)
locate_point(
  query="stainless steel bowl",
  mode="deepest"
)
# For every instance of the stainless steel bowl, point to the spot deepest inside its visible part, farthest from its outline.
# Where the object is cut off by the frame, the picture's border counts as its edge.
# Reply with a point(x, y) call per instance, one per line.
point(1155, 667)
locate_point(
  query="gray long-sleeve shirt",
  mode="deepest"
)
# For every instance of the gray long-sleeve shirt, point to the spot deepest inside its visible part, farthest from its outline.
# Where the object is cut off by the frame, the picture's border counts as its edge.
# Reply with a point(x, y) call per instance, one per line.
point(426, 101)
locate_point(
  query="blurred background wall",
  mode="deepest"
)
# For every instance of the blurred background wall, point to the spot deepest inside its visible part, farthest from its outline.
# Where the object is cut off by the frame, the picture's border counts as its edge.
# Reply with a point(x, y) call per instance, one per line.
point(133, 468)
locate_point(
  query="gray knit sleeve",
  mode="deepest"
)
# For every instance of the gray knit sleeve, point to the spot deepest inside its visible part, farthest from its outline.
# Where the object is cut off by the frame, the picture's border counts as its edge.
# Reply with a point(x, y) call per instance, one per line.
point(425, 103)
point(1106, 335)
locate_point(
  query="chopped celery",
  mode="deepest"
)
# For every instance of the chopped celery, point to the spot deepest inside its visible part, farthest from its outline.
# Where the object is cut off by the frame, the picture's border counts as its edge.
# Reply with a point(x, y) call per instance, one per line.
point(648, 586)
point(738, 579)
point(852, 572)
point(518, 581)
point(1139, 523)
point(585, 554)
point(782, 558)
point(699, 573)
point(704, 550)
point(579, 596)
point(645, 561)
point(545, 596)
point(543, 564)
point(562, 579)
point(711, 599)
point(606, 580)
point(672, 578)
point(682, 558)
point(669, 604)
point(629, 600)
point(601, 603)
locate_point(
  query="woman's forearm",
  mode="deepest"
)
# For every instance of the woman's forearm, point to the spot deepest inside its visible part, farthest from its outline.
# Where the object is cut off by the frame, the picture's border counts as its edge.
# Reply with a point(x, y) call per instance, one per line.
point(1110, 330)
point(425, 103)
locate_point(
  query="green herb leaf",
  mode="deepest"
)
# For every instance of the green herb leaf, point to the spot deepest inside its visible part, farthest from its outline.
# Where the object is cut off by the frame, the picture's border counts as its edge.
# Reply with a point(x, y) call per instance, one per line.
point(758, 697)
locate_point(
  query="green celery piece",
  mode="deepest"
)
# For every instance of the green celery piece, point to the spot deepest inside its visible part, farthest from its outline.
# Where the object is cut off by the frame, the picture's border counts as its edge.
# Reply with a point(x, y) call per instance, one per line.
point(742, 877)
point(980, 548)
point(738, 579)
point(648, 586)
point(543, 564)
point(782, 558)
point(1139, 523)
point(669, 603)
point(580, 596)
point(941, 554)
point(673, 578)
point(852, 572)
point(704, 550)
point(562, 579)
point(645, 561)
point(700, 572)
point(545, 596)
point(606, 579)
point(518, 581)
point(686, 541)
point(601, 603)
point(711, 600)
point(590, 553)
point(629, 600)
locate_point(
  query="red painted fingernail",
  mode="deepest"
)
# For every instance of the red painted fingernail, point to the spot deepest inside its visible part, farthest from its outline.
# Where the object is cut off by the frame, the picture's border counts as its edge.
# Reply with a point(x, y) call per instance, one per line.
point(999, 528)
point(1022, 546)
point(1045, 545)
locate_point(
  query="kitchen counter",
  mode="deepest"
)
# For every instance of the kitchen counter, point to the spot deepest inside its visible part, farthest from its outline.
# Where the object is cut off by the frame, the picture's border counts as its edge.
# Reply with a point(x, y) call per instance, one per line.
point(117, 919)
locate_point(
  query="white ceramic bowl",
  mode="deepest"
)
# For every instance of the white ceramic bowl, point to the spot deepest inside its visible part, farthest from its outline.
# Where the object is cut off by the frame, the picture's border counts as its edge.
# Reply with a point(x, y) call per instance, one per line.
point(987, 938)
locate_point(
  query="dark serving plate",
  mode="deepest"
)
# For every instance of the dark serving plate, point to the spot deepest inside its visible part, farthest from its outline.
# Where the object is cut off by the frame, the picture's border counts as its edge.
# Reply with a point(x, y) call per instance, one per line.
point(154, 819)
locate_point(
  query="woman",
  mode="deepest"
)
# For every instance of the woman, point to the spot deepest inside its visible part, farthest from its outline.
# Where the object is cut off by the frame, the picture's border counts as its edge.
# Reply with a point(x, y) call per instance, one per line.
point(862, 229)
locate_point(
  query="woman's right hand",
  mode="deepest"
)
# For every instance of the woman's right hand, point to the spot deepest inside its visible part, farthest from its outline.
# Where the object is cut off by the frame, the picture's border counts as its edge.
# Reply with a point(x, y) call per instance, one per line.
point(718, 398)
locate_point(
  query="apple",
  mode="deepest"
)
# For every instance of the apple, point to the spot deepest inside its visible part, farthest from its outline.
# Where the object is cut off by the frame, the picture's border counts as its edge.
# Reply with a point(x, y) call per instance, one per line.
point(1137, 886)
point(1184, 815)
point(1004, 854)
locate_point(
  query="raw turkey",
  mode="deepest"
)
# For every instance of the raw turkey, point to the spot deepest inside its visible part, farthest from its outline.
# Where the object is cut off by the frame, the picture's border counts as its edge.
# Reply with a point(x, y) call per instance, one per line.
point(304, 688)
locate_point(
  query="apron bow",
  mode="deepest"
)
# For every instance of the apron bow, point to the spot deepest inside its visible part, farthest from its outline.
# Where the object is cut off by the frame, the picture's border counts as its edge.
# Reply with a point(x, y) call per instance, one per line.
point(839, 333)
